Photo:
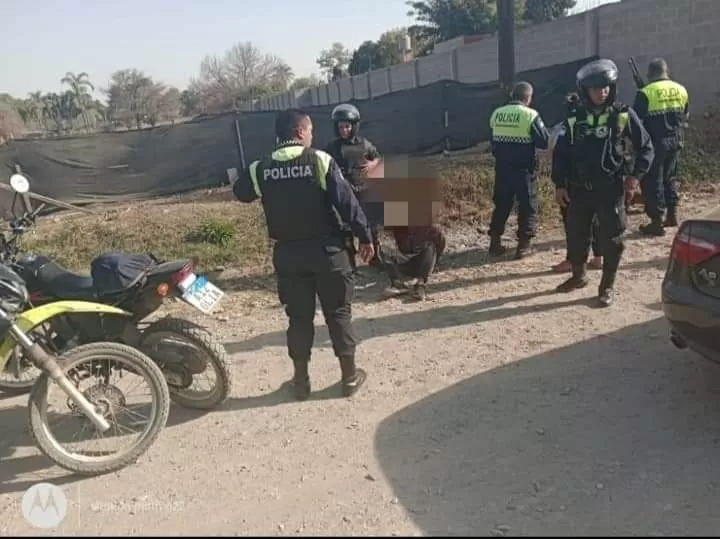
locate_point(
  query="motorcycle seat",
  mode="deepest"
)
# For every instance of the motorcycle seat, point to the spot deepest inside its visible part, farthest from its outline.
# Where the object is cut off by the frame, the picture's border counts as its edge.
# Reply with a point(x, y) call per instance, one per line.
point(64, 284)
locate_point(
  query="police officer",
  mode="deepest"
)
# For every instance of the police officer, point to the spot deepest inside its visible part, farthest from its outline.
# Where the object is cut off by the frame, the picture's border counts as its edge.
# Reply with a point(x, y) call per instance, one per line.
point(356, 155)
point(572, 102)
point(589, 172)
point(662, 105)
point(302, 192)
point(516, 131)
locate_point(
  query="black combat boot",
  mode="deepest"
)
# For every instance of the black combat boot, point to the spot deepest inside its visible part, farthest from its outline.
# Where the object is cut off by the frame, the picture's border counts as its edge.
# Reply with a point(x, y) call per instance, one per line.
point(606, 290)
point(496, 246)
point(352, 377)
point(301, 380)
point(578, 280)
point(523, 248)
point(671, 218)
point(653, 228)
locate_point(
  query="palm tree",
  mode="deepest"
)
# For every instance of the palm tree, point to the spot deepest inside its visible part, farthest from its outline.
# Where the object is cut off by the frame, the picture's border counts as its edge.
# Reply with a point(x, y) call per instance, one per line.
point(34, 106)
point(79, 86)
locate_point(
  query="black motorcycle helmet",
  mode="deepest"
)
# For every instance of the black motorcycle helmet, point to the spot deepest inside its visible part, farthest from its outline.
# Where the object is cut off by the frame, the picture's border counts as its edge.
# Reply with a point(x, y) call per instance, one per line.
point(345, 112)
point(13, 292)
point(597, 74)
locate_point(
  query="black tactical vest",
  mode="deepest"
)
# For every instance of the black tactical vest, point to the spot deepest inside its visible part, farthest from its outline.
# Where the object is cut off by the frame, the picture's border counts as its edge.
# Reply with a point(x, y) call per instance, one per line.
point(291, 183)
point(598, 147)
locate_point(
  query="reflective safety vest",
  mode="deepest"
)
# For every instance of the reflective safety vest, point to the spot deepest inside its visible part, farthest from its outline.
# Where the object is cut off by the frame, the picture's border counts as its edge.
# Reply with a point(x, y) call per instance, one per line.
point(665, 117)
point(512, 124)
point(512, 140)
point(665, 96)
point(292, 186)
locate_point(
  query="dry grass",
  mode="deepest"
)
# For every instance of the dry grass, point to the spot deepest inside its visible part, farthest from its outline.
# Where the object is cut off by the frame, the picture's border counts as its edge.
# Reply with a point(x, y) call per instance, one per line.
point(168, 229)
point(177, 227)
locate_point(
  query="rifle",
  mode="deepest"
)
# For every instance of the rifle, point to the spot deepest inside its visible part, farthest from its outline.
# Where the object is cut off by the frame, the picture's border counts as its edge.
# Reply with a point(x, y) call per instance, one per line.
point(639, 82)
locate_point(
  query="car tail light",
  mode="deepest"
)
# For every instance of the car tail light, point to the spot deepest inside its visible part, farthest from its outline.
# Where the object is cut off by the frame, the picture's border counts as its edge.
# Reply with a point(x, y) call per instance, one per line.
point(691, 251)
point(180, 276)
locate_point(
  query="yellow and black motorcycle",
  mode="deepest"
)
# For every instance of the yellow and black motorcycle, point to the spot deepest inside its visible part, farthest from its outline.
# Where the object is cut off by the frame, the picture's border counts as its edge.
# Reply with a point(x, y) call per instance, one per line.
point(98, 409)
point(189, 356)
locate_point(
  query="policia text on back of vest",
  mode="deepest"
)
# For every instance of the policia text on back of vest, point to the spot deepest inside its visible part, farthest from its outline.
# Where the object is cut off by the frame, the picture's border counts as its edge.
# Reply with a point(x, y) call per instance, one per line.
point(662, 105)
point(517, 131)
point(302, 192)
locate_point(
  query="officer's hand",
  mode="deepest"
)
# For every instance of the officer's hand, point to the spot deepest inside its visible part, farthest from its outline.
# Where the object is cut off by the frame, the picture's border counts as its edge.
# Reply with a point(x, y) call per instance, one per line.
point(631, 184)
point(366, 251)
point(562, 197)
point(363, 166)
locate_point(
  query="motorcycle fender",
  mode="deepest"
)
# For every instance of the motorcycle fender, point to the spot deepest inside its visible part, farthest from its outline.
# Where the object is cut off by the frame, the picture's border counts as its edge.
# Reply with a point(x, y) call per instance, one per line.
point(29, 319)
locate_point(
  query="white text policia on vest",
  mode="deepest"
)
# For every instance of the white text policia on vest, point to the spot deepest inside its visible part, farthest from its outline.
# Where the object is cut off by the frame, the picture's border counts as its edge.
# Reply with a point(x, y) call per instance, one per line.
point(287, 173)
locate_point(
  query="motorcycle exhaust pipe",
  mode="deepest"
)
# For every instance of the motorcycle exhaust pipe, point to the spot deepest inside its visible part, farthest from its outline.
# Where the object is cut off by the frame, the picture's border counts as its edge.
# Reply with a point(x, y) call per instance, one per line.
point(47, 363)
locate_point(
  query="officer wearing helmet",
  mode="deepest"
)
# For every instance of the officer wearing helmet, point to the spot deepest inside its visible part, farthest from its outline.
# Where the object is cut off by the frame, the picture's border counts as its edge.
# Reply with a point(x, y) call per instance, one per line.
point(591, 175)
point(356, 156)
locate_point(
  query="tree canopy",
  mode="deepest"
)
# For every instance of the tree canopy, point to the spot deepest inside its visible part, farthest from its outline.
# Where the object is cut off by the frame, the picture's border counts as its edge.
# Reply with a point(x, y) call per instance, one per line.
point(440, 20)
point(334, 58)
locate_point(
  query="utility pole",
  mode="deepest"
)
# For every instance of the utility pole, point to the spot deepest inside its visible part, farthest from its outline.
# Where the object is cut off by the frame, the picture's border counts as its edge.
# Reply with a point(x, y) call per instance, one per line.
point(506, 44)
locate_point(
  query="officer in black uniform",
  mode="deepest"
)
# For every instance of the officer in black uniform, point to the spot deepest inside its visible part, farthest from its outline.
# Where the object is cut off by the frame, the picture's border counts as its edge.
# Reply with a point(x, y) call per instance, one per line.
point(302, 192)
point(517, 130)
point(590, 176)
point(356, 155)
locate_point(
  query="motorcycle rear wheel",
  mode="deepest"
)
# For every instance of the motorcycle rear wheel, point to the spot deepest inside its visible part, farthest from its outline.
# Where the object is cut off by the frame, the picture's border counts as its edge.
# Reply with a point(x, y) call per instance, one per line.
point(210, 348)
point(86, 465)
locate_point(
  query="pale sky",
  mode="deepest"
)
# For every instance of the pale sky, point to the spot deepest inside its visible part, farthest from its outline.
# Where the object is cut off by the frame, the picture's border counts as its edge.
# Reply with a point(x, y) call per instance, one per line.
point(167, 39)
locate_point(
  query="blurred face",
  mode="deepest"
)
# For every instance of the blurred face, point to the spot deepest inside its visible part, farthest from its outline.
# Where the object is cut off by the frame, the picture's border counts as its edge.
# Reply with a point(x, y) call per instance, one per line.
point(599, 96)
point(345, 129)
point(305, 133)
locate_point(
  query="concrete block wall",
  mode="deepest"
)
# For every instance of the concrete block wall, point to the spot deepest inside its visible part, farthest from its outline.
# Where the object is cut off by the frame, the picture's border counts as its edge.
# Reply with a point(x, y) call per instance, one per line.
point(684, 32)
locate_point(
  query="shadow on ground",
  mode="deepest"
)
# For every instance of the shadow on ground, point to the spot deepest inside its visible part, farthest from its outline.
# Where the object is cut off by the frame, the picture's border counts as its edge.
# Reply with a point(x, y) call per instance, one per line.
point(371, 283)
point(616, 435)
point(441, 317)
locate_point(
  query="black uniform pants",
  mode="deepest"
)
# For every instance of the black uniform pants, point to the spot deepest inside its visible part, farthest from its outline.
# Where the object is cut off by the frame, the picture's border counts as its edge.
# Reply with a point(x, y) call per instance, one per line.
point(594, 243)
point(304, 272)
point(512, 184)
point(607, 204)
point(659, 185)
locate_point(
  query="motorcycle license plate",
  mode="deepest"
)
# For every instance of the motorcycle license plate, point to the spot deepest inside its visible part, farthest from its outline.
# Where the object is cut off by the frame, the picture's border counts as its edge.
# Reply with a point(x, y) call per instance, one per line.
point(201, 293)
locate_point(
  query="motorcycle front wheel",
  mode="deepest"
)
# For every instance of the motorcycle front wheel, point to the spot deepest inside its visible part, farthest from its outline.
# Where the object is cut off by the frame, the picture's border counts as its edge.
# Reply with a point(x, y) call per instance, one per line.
point(80, 364)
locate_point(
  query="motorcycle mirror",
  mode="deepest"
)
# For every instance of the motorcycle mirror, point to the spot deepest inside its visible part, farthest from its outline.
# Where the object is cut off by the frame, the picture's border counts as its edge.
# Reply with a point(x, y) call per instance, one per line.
point(19, 183)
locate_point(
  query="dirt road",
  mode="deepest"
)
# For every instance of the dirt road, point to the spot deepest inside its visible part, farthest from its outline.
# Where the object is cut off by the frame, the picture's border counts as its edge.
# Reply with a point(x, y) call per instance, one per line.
point(497, 408)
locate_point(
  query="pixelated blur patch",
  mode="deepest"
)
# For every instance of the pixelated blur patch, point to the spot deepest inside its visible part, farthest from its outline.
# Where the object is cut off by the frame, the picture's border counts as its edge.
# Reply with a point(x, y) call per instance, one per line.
point(410, 190)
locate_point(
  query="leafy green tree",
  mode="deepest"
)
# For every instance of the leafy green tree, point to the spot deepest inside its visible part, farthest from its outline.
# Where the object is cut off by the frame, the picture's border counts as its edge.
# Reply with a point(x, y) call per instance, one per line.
point(440, 20)
point(336, 57)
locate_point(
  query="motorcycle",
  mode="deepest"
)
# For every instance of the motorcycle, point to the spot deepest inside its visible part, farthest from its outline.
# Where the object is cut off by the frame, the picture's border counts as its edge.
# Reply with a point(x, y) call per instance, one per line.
point(137, 285)
point(101, 404)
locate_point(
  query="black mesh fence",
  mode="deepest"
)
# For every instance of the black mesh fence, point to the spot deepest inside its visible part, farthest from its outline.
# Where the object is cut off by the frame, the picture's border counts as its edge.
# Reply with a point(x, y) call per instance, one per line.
point(173, 159)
